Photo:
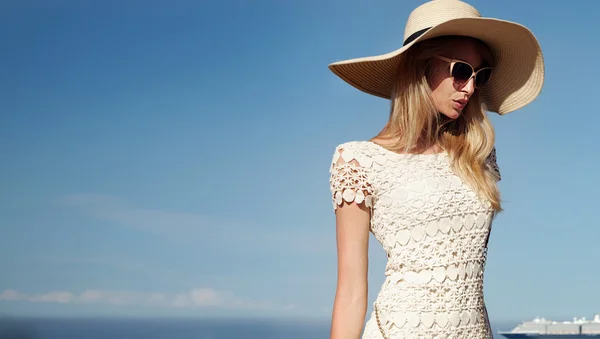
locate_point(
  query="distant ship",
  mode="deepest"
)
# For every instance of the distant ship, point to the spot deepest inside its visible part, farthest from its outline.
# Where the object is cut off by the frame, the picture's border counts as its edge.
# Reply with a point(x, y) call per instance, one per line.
point(541, 328)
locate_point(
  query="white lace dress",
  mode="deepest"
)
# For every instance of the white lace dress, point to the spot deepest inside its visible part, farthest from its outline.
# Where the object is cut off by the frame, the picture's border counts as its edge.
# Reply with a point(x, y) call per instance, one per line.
point(434, 230)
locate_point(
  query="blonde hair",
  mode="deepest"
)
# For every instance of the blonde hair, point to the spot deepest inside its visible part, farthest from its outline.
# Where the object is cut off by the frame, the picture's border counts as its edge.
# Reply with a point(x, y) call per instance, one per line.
point(416, 125)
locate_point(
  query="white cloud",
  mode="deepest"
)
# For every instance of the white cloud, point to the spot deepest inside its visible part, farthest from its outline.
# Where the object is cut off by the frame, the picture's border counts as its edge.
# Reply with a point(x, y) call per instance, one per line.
point(9, 295)
point(56, 297)
point(205, 297)
point(195, 298)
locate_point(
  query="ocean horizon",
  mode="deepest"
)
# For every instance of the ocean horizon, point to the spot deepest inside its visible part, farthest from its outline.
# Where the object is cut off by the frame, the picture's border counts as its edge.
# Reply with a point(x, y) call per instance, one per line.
point(171, 328)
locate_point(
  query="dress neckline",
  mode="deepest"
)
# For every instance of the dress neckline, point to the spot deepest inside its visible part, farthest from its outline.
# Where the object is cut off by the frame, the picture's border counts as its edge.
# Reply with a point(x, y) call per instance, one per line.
point(411, 155)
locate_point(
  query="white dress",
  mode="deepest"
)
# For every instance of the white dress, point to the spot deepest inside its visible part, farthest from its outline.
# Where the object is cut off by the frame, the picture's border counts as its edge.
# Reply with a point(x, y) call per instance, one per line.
point(434, 229)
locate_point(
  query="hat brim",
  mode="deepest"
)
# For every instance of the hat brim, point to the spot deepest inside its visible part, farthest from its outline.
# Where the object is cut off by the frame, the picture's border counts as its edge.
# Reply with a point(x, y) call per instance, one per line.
point(518, 70)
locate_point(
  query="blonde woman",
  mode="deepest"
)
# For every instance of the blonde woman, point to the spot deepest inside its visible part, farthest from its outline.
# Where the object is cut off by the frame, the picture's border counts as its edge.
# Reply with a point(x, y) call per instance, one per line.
point(426, 185)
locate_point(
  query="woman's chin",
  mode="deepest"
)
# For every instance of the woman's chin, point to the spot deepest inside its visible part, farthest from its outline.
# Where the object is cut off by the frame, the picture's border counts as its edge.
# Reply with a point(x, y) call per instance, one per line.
point(452, 114)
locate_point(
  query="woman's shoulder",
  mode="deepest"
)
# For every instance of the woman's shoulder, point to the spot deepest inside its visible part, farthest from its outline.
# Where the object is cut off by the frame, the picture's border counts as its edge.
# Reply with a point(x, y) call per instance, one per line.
point(360, 152)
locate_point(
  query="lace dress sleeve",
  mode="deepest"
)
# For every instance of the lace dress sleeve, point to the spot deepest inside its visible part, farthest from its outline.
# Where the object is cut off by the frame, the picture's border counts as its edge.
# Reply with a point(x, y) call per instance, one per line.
point(349, 180)
point(493, 164)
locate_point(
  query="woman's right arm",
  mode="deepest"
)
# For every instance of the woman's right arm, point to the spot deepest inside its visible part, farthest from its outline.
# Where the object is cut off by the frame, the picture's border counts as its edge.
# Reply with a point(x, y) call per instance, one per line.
point(352, 193)
point(350, 304)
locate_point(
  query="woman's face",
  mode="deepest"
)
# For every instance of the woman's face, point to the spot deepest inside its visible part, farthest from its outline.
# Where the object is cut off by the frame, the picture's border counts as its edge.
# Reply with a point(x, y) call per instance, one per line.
point(450, 97)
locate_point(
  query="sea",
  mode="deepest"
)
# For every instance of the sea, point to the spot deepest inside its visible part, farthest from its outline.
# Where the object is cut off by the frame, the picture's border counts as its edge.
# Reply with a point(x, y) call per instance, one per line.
point(64, 328)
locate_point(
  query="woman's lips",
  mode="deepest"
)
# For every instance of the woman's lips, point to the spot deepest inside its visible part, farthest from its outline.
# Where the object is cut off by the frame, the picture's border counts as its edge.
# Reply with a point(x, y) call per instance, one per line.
point(460, 104)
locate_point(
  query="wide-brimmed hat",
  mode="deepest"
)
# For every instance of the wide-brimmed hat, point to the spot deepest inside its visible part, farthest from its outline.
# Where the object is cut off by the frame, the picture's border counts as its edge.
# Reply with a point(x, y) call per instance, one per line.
point(518, 62)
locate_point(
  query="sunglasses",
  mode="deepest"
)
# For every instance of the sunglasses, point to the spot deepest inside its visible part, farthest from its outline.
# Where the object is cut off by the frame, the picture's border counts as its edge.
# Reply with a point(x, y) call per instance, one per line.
point(462, 72)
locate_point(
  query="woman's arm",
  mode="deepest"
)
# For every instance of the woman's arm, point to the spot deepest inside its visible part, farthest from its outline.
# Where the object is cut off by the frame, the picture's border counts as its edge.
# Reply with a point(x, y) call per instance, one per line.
point(350, 305)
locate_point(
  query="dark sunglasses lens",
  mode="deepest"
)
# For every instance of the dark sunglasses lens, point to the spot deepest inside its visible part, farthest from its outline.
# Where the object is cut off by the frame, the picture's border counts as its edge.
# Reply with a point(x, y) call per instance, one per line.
point(461, 72)
point(482, 77)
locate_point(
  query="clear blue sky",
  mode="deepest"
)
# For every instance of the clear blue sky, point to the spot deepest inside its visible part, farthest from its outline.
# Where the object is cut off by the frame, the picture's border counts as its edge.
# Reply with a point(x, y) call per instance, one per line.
point(172, 160)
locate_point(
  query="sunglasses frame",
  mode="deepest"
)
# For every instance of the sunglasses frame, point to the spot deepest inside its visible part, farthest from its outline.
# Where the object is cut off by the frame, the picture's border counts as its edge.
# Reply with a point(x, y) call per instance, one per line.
point(452, 62)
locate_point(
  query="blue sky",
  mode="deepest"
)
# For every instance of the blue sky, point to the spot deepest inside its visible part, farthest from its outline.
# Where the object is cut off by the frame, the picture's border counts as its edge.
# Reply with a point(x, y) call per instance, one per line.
point(172, 160)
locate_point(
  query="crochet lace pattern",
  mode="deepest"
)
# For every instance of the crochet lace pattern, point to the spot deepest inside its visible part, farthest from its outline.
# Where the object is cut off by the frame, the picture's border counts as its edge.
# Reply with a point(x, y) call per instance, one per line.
point(434, 229)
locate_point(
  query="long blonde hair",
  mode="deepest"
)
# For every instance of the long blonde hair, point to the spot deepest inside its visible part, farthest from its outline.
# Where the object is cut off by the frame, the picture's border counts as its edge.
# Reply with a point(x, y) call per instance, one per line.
point(416, 125)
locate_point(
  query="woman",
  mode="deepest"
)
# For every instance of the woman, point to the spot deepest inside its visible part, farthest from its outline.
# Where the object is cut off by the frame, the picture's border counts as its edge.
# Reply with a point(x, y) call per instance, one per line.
point(426, 185)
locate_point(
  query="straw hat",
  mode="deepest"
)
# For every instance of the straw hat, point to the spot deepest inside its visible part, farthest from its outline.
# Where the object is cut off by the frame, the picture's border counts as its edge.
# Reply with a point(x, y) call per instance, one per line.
point(518, 69)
